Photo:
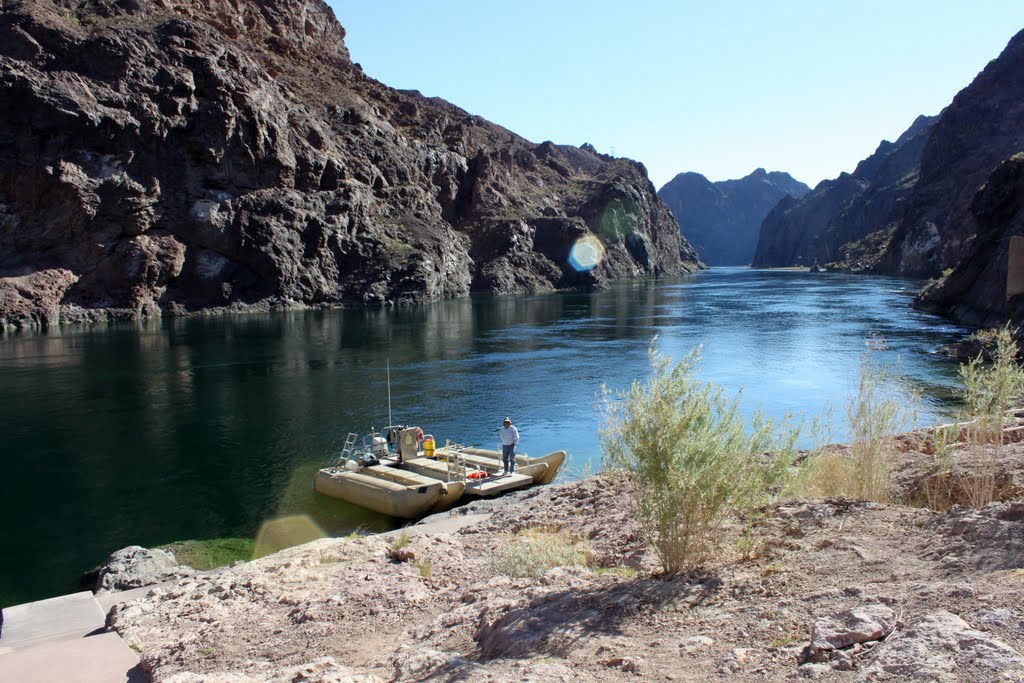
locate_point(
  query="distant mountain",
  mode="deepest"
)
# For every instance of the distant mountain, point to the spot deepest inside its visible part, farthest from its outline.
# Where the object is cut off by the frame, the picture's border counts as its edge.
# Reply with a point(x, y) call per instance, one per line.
point(721, 220)
point(851, 218)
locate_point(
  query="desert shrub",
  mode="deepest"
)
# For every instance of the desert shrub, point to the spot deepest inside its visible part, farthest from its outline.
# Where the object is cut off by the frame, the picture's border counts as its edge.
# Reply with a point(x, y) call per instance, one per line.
point(424, 567)
point(824, 473)
point(690, 458)
point(990, 390)
point(534, 551)
point(939, 486)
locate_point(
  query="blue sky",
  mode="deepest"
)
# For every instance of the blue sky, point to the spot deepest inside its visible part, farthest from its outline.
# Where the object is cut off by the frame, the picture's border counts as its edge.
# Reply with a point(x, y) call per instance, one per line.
point(714, 87)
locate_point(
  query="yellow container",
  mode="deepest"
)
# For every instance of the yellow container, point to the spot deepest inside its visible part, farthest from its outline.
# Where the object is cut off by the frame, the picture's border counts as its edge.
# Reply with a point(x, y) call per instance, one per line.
point(428, 446)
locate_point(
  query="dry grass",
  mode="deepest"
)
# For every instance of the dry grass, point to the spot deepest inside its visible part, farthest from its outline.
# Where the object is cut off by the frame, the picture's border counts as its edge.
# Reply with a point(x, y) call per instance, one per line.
point(533, 552)
point(863, 469)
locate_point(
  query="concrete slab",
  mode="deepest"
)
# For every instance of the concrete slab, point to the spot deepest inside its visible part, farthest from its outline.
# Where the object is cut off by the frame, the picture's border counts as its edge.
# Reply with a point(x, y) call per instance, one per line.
point(67, 615)
point(102, 658)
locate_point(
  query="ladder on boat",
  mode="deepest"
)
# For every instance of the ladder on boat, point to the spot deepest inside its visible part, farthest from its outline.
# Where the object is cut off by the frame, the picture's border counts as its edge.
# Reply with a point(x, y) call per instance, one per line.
point(346, 450)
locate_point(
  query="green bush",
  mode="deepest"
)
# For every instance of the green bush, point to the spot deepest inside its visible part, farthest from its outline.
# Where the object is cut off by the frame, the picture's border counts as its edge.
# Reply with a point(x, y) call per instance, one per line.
point(964, 456)
point(690, 458)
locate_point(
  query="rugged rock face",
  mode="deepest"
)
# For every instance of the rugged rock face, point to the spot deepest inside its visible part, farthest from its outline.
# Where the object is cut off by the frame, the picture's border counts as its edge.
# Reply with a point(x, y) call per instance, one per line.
point(826, 224)
point(722, 220)
point(974, 293)
point(982, 127)
point(168, 156)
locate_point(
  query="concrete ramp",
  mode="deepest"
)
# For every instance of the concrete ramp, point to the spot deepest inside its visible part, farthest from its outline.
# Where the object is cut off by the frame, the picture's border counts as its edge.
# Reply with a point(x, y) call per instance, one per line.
point(66, 616)
point(102, 658)
point(49, 640)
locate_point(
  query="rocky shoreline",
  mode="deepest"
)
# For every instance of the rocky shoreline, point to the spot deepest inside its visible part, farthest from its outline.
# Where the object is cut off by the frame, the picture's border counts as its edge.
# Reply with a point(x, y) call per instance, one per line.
point(820, 589)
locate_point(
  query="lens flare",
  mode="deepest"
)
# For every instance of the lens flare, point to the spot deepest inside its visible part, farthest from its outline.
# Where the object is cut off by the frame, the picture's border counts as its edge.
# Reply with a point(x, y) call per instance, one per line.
point(285, 532)
point(586, 254)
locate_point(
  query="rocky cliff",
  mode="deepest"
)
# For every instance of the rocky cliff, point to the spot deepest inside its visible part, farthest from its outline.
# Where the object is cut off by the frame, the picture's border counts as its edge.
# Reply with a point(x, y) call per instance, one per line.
point(982, 127)
point(974, 292)
point(165, 156)
point(721, 220)
point(840, 217)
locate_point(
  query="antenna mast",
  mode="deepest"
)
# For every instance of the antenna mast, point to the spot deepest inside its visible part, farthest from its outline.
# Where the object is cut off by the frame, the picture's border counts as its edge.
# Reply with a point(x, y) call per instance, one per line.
point(389, 392)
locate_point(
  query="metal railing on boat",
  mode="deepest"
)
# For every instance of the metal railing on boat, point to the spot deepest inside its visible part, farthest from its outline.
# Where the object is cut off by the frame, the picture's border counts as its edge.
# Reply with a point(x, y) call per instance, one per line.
point(456, 466)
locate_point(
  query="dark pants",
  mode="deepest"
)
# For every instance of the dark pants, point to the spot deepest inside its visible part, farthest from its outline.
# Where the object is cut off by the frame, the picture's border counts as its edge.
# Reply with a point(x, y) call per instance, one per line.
point(508, 457)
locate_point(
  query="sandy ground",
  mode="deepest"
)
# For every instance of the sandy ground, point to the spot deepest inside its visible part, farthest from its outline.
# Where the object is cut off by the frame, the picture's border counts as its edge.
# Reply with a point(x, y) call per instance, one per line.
point(920, 595)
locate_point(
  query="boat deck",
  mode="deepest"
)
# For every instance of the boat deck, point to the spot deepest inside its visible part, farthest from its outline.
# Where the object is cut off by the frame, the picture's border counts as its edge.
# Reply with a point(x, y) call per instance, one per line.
point(474, 487)
point(391, 472)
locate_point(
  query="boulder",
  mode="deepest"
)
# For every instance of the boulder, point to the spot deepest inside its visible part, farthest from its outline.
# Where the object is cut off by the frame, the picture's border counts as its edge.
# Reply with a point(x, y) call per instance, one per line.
point(991, 537)
point(423, 663)
point(321, 670)
point(694, 643)
point(859, 625)
point(135, 567)
point(943, 647)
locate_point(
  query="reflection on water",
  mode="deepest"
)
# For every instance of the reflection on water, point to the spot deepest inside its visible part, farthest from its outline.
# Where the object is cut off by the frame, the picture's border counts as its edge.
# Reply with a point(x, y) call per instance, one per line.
point(207, 427)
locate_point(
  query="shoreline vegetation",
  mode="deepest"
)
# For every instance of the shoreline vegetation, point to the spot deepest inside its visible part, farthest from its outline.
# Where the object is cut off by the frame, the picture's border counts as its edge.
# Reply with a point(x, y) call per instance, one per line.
point(897, 555)
point(211, 553)
point(693, 464)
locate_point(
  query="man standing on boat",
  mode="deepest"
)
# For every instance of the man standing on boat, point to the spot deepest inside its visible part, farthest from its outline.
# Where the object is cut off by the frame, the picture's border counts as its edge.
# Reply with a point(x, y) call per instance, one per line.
point(509, 439)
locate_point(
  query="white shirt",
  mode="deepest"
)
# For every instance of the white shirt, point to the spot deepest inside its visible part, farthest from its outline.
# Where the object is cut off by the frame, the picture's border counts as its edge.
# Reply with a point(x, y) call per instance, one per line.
point(509, 435)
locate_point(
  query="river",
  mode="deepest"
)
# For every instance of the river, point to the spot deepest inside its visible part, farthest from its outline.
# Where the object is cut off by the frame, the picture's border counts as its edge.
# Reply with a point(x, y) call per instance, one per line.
point(206, 427)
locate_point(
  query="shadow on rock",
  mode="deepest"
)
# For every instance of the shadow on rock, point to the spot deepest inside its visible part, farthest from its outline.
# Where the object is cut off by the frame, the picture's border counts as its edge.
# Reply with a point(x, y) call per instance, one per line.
point(552, 623)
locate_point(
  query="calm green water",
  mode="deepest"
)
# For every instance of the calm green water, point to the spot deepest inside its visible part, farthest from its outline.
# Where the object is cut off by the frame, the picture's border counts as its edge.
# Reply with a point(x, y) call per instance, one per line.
point(203, 428)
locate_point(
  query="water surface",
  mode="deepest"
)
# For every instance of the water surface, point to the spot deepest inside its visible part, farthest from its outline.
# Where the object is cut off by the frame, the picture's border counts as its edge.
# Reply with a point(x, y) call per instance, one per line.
point(207, 427)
